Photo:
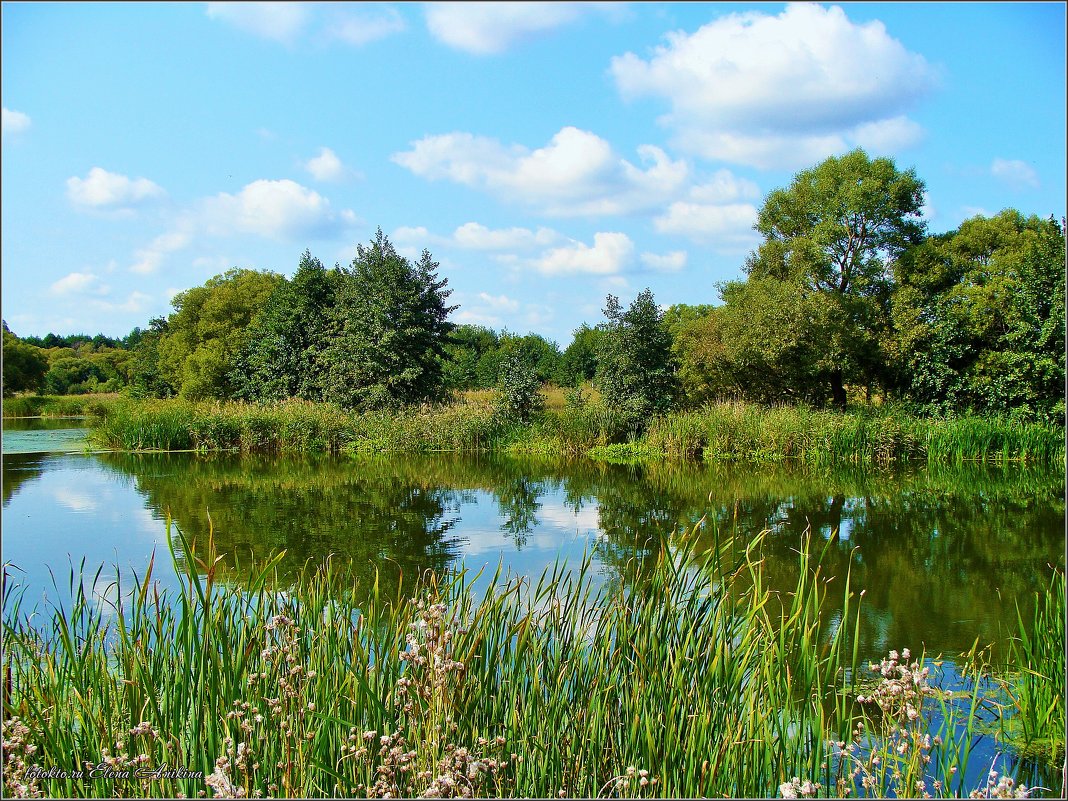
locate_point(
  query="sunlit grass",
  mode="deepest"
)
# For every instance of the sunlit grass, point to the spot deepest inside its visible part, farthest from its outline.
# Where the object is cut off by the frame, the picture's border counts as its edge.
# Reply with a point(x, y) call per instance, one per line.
point(696, 681)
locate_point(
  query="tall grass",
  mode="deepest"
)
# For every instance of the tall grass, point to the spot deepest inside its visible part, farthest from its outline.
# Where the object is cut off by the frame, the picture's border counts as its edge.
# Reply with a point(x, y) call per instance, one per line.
point(58, 405)
point(1037, 688)
point(726, 431)
point(697, 682)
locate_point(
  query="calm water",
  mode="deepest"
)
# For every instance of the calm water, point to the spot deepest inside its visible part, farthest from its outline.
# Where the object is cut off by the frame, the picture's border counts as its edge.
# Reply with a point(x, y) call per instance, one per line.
point(944, 555)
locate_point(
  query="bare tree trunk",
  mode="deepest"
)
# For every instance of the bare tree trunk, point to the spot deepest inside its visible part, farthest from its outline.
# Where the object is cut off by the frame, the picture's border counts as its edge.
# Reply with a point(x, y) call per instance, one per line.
point(838, 393)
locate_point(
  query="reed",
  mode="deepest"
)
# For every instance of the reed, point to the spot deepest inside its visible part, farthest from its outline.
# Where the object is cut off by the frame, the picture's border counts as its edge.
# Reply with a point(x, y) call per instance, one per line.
point(717, 432)
point(58, 405)
point(698, 681)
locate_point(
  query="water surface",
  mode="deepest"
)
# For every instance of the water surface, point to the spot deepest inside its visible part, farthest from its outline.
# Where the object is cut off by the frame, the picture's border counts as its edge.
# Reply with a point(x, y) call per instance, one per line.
point(944, 555)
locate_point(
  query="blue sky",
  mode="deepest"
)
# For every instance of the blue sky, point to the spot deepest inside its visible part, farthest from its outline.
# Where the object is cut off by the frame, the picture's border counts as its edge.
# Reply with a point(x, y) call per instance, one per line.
point(545, 153)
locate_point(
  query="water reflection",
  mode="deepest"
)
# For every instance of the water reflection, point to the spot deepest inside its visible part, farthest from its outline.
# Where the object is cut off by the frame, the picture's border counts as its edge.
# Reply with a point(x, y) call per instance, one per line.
point(943, 554)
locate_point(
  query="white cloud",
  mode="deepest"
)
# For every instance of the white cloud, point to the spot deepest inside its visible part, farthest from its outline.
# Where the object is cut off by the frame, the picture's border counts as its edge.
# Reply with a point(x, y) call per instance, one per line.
point(281, 22)
point(277, 210)
point(360, 29)
point(667, 262)
point(728, 226)
point(135, 303)
point(500, 302)
point(474, 236)
point(609, 254)
point(576, 174)
point(289, 22)
point(888, 136)
point(328, 167)
point(781, 90)
point(13, 122)
point(150, 258)
point(473, 317)
point(79, 284)
point(1015, 173)
point(488, 28)
point(109, 191)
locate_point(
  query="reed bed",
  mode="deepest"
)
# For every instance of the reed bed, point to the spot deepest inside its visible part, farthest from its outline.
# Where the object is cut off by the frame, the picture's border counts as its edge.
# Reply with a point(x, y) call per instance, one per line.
point(697, 682)
point(58, 405)
point(1037, 687)
point(718, 432)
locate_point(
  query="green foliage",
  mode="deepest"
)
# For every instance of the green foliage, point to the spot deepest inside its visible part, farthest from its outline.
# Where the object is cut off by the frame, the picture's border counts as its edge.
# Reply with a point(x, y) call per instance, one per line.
point(282, 352)
point(636, 368)
point(146, 377)
point(589, 688)
point(467, 363)
point(832, 235)
point(980, 319)
point(520, 389)
point(196, 351)
point(24, 365)
point(578, 363)
point(388, 331)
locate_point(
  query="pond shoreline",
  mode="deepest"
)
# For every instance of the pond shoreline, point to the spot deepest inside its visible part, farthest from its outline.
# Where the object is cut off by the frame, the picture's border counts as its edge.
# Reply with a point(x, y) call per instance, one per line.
point(716, 432)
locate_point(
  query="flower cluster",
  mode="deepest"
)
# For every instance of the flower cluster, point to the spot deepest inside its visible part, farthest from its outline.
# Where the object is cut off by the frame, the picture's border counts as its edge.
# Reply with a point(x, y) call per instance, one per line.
point(18, 750)
point(900, 693)
point(1003, 787)
point(634, 782)
point(795, 788)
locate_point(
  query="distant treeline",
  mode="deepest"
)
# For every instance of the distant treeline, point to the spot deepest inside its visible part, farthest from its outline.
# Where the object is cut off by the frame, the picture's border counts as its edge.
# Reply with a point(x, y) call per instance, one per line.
point(848, 299)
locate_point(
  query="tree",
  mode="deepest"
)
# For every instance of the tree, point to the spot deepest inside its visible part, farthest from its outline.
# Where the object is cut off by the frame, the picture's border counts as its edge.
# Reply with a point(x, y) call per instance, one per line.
point(980, 320)
point(465, 348)
point(834, 232)
point(281, 354)
point(24, 365)
point(207, 330)
point(578, 362)
point(146, 378)
point(390, 330)
point(520, 389)
point(636, 370)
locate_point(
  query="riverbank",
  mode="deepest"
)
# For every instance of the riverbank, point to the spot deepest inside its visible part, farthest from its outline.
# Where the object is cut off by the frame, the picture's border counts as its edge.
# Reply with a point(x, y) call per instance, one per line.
point(699, 683)
point(717, 432)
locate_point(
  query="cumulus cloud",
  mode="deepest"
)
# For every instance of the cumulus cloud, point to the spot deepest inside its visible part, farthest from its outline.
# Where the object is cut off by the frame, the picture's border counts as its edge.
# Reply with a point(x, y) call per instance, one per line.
point(287, 22)
point(281, 22)
point(109, 191)
point(728, 226)
point(79, 284)
point(499, 302)
point(609, 254)
point(149, 259)
point(135, 303)
point(328, 167)
point(13, 122)
point(489, 28)
point(576, 174)
point(1016, 174)
point(277, 210)
point(772, 91)
point(362, 28)
point(665, 262)
point(474, 236)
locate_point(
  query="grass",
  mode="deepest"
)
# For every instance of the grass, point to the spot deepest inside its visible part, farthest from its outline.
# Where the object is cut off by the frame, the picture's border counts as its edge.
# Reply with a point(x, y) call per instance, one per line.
point(697, 682)
point(580, 428)
point(58, 405)
point(1037, 690)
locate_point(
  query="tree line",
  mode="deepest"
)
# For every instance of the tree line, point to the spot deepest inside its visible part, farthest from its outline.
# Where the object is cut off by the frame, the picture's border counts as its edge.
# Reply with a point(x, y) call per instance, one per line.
point(848, 298)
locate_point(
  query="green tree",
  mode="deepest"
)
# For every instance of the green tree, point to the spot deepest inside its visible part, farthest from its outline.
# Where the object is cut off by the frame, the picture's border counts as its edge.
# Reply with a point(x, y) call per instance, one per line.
point(636, 369)
point(390, 330)
point(466, 347)
point(146, 377)
point(578, 362)
point(520, 389)
point(24, 365)
point(835, 232)
point(980, 321)
point(282, 352)
point(207, 330)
